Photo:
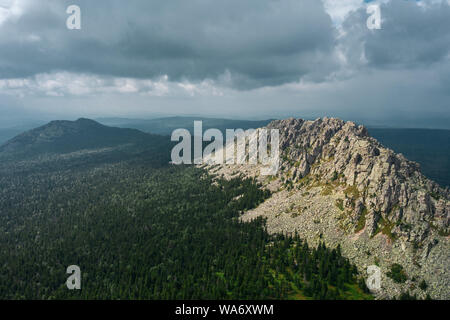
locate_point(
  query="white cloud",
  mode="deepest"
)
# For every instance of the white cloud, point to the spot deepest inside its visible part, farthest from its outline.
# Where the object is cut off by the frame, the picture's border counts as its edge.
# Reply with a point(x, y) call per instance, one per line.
point(11, 9)
point(428, 3)
point(338, 10)
point(206, 87)
point(61, 84)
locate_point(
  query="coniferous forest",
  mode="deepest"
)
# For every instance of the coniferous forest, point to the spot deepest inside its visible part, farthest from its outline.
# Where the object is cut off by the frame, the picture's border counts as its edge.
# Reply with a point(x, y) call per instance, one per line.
point(140, 228)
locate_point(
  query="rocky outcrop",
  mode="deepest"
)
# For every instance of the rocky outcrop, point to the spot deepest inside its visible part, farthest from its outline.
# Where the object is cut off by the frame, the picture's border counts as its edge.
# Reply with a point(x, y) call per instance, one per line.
point(376, 179)
point(339, 185)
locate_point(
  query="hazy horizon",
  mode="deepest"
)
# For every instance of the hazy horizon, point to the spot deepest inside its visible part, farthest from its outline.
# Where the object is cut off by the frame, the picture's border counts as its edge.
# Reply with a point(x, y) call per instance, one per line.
point(29, 123)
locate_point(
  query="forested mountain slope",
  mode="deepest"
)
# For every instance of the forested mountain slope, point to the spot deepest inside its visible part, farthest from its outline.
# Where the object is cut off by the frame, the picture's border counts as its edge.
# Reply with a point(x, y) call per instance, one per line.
point(140, 228)
point(59, 137)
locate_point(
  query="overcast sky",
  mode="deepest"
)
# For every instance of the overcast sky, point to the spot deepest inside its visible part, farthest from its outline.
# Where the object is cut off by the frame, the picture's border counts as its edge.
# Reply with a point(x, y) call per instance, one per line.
point(250, 59)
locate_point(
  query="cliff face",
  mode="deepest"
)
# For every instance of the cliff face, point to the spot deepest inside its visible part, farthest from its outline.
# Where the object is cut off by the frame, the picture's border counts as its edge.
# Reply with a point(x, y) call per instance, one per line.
point(337, 184)
point(383, 185)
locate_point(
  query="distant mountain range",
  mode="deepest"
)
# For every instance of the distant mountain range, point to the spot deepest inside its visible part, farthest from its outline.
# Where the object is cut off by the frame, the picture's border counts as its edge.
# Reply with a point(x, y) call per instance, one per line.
point(430, 148)
point(165, 126)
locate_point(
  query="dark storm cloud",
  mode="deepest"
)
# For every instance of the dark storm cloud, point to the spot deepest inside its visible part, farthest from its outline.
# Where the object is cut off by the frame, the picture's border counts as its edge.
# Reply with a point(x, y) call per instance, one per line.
point(399, 75)
point(411, 36)
point(244, 44)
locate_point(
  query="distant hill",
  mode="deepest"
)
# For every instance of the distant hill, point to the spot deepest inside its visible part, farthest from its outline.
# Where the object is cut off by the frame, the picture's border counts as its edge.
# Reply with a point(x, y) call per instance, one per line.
point(7, 133)
point(69, 136)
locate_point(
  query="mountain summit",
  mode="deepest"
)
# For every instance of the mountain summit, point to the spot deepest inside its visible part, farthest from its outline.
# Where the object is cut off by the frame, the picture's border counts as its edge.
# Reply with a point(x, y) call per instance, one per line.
point(339, 185)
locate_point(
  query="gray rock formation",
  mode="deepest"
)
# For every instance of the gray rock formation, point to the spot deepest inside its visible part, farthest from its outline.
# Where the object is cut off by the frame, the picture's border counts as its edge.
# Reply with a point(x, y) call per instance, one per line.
point(390, 188)
point(337, 182)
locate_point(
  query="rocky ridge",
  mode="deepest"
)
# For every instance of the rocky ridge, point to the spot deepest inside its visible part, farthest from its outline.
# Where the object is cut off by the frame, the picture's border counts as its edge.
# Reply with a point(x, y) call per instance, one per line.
point(339, 185)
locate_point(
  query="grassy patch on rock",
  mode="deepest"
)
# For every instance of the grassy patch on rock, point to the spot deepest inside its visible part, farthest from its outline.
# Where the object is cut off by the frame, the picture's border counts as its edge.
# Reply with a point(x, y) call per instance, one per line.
point(397, 273)
point(361, 221)
point(340, 204)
